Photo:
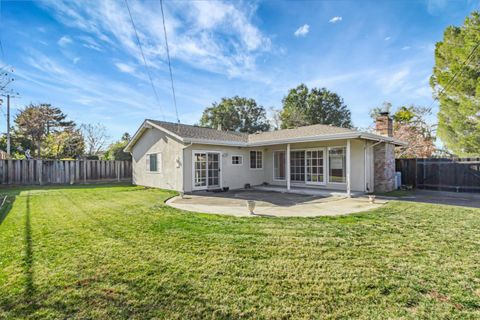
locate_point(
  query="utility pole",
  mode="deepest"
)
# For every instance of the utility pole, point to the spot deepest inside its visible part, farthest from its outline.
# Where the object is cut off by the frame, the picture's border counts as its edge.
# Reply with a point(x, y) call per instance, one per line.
point(8, 125)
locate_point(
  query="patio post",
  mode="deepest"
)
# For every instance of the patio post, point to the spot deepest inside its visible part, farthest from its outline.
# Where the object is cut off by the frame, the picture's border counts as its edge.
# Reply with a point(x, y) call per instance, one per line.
point(288, 167)
point(348, 169)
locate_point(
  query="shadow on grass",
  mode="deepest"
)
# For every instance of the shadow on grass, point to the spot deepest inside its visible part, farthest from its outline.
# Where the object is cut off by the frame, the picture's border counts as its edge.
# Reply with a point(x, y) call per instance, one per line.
point(6, 204)
point(28, 257)
point(19, 188)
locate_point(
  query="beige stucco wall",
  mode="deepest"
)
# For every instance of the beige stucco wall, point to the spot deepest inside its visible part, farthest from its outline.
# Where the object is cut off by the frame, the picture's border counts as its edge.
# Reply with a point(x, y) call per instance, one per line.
point(170, 173)
point(233, 176)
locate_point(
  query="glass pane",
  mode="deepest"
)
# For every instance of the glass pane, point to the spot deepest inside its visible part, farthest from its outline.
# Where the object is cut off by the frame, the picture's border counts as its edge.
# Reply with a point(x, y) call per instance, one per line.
point(337, 164)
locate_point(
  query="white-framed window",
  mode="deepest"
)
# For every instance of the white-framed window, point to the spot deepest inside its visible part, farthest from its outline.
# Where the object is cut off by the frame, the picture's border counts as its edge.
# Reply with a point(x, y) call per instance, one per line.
point(237, 160)
point(337, 164)
point(256, 159)
point(154, 162)
point(279, 165)
point(297, 165)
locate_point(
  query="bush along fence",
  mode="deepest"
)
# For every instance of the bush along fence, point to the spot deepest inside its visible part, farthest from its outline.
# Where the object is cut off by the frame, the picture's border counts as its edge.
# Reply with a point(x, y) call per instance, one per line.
point(29, 172)
point(459, 175)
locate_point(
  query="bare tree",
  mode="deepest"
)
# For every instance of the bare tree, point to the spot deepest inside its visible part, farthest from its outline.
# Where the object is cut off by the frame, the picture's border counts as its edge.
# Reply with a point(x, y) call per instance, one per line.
point(95, 137)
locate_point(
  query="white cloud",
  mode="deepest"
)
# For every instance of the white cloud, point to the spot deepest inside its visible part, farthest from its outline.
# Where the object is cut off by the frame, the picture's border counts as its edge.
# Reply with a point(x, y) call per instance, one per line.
point(406, 48)
point(215, 36)
point(123, 67)
point(75, 60)
point(387, 38)
point(335, 19)
point(302, 31)
point(65, 40)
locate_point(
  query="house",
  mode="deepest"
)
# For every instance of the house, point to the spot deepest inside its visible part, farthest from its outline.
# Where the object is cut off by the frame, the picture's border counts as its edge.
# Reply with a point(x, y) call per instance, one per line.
point(189, 158)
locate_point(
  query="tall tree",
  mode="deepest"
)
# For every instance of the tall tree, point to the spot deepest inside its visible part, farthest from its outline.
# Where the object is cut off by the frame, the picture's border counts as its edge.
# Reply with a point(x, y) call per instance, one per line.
point(95, 137)
point(411, 125)
point(236, 114)
point(65, 144)
point(459, 114)
point(316, 106)
point(36, 122)
point(115, 150)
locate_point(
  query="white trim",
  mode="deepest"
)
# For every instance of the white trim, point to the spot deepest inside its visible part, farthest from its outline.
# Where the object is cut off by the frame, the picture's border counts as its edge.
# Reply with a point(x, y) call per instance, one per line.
point(273, 165)
point(288, 167)
point(347, 169)
point(220, 174)
point(236, 164)
point(250, 160)
point(159, 163)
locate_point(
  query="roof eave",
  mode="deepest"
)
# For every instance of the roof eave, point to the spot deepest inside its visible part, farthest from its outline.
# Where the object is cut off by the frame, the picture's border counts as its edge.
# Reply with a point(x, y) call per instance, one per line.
point(136, 136)
point(216, 142)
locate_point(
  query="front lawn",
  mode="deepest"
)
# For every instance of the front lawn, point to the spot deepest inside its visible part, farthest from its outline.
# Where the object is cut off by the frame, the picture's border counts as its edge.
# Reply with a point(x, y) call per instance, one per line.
point(119, 252)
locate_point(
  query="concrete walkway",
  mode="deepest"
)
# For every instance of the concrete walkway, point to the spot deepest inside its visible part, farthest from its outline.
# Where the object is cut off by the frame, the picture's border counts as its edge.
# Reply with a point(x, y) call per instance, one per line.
point(465, 199)
point(273, 204)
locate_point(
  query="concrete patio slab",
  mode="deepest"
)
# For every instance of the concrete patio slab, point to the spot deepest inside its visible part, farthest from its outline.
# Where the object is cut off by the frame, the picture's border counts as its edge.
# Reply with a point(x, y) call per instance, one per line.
point(270, 203)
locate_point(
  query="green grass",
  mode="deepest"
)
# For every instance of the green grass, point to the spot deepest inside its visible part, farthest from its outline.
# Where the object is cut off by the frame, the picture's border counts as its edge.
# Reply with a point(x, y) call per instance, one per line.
point(119, 252)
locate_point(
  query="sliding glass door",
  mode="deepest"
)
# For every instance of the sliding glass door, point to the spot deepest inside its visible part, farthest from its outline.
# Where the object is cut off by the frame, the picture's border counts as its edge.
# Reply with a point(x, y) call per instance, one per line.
point(206, 170)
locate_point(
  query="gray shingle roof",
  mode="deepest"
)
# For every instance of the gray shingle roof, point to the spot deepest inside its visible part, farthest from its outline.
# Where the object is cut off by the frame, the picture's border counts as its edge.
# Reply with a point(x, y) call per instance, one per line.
point(300, 132)
point(189, 131)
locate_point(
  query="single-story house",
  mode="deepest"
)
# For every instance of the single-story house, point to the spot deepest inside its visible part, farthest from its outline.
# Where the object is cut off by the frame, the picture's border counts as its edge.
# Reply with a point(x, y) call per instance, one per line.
point(189, 158)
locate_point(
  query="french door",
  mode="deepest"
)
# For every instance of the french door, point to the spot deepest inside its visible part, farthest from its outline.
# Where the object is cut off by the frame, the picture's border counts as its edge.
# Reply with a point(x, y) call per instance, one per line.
point(206, 170)
point(308, 166)
point(315, 166)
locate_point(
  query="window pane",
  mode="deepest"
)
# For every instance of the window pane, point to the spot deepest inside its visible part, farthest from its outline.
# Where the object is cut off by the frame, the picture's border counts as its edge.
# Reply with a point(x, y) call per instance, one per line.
point(253, 159)
point(337, 164)
point(279, 165)
point(256, 159)
point(153, 162)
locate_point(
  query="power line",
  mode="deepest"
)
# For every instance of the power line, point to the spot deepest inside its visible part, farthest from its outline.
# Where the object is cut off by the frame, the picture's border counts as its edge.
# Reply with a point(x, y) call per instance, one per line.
point(459, 72)
point(169, 62)
point(144, 60)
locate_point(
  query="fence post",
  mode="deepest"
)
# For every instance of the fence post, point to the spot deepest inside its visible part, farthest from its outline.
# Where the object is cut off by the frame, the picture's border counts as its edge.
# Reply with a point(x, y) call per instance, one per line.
point(40, 171)
point(85, 171)
point(117, 166)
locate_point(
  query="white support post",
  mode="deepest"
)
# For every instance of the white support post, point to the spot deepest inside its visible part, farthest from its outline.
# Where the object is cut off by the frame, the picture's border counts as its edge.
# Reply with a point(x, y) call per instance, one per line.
point(348, 169)
point(288, 167)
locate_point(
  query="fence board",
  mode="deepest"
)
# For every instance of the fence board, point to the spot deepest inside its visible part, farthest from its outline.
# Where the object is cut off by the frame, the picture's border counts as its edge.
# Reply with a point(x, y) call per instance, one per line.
point(28, 172)
point(460, 175)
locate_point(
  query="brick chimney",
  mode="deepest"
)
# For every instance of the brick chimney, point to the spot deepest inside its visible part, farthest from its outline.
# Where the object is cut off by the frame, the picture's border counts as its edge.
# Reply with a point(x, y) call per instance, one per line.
point(384, 124)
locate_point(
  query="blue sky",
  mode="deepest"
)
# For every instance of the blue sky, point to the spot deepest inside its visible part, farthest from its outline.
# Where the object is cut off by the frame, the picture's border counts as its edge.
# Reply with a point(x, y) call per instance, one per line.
point(82, 55)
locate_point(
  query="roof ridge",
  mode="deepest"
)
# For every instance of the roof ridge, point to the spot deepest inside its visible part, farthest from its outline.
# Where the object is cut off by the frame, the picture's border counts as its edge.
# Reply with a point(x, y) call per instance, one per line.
point(195, 126)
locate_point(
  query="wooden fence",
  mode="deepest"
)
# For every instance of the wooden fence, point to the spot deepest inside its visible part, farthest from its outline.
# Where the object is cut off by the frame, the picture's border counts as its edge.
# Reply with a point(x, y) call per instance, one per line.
point(28, 172)
point(460, 175)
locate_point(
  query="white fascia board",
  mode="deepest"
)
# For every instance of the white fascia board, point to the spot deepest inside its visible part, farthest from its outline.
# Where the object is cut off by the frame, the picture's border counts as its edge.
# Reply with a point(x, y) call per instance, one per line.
point(136, 136)
point(166, 131)
point(377, 137)
point(323, 137)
